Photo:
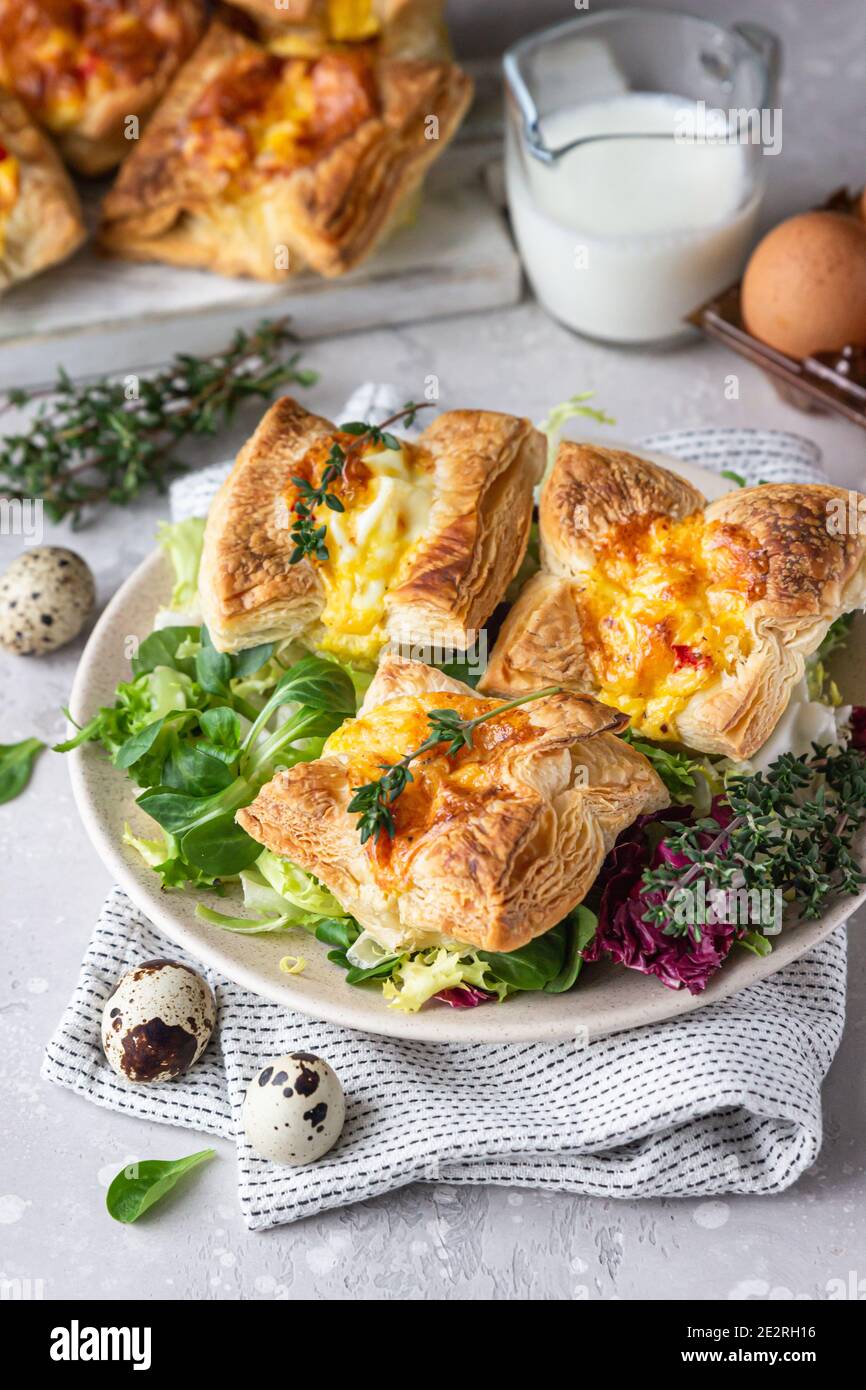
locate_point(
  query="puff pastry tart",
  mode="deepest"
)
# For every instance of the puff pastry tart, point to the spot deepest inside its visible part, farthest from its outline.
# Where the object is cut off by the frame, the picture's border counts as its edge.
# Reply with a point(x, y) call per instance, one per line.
point(40, 216)
point(493, 845)
point(428, 540)
point(83, 67)
point(305, 28)
point(694, 619)
point(257, 164)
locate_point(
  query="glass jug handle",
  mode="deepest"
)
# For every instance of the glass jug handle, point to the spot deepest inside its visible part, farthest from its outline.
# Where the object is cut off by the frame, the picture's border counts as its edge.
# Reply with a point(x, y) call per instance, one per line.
point(769, 47)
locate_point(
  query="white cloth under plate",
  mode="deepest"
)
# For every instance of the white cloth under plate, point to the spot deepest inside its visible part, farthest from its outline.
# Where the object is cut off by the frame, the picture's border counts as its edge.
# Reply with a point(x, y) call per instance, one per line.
point(725, 1100)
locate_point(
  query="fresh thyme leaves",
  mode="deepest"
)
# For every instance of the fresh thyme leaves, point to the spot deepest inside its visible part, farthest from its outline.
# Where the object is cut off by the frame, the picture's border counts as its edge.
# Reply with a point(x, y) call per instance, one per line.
point(309, 537)
point(374, 799)
point(106, 440)
point(791, 831)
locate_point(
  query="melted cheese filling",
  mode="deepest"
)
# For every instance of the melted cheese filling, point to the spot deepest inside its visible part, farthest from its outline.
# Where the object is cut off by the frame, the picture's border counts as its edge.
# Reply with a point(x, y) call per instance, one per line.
point(351, 21)
point(58, 68)
point(268, 115)
point(347, 21)
point(443, 786)
point(369, 547)
point(10, 184)
point(663, 615)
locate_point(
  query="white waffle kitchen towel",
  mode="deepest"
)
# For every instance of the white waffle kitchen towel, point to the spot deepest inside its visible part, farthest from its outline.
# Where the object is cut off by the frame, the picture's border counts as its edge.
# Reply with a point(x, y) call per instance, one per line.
point(725, 1100)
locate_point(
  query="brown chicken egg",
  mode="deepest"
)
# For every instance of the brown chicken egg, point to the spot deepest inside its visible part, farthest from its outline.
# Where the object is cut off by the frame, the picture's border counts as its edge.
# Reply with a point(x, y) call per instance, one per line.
point(804, 290)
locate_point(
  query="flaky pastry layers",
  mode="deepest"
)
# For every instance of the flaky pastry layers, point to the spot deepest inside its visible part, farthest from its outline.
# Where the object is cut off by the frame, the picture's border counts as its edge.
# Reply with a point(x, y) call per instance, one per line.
point(40, 216)
point(694, 619)
point(257, 165)
point(493, 845)
point(83, 67)
point(429, 540)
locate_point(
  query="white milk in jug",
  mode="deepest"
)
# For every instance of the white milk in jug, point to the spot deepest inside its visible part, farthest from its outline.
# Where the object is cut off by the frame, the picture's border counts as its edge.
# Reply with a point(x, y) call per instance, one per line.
point(621, 238)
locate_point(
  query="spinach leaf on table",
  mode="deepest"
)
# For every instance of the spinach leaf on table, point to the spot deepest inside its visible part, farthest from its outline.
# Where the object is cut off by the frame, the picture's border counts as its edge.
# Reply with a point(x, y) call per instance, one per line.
point(16, 765)
point(140, 1185)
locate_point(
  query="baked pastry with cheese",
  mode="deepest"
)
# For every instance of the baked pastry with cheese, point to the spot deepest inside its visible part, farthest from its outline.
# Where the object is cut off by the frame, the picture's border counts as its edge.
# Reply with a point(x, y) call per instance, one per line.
point(305, 28)
point(430, 538)
point(40, 216)
point(84, 67)
point(694, 619)
point(493, 845)
point(259, 165)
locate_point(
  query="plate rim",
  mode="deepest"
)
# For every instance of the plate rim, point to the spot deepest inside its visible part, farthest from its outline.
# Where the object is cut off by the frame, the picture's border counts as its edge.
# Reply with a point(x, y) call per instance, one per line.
point(654, 1003)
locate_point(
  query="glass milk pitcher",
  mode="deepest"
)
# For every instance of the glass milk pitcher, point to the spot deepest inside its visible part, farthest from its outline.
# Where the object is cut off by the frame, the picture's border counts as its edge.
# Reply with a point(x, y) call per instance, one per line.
point(637, 143)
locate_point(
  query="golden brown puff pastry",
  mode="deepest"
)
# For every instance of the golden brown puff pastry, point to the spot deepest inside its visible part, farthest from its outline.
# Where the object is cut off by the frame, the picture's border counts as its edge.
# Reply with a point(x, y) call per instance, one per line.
point(693, 619)
point(83, 67)
point(40, 216)
point(257, 165)
point(430, 538)
point(493, 845)
point(400, 28)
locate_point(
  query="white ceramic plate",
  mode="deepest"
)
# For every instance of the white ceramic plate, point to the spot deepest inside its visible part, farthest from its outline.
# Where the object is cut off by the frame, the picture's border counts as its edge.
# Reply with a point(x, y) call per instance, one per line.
point(608, 999)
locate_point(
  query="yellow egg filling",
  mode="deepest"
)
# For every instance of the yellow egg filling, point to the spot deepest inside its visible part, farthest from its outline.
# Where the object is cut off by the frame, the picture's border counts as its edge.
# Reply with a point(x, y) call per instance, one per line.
point(662, 615)
point(386, 496)
point(10, 184)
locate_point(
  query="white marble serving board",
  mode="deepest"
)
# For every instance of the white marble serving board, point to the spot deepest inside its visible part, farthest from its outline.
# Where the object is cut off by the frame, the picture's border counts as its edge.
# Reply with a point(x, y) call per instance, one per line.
point(456, 257)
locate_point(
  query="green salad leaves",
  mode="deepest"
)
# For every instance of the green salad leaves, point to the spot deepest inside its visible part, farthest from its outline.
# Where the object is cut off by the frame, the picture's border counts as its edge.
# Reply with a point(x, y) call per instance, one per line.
point(189, 731)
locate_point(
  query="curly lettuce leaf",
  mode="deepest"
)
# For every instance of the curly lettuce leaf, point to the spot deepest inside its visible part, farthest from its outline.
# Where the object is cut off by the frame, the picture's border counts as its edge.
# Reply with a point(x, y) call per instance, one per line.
point(182, 542)
point(416, 978)
point(689, 780)
point(559, 416)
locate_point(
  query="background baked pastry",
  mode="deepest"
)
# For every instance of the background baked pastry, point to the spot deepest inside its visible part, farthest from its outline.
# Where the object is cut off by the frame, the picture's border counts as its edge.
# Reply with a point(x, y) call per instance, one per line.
point(83, 67)
point(40, 216)
point(427, 540)
point(258, 164)
point(693, 619)
point(493, 845)
point(304, 28)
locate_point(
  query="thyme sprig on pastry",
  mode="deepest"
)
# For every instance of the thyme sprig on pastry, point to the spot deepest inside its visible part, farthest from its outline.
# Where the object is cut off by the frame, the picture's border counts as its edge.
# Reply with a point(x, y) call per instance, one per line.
point(309, 537)
point(374, 799)
point(107, 440)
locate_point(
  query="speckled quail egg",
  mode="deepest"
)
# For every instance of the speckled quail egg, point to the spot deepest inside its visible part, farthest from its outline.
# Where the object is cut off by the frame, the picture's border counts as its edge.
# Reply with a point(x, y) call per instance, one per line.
point(157, 1022)
point(46, 596)
point(294, 1109)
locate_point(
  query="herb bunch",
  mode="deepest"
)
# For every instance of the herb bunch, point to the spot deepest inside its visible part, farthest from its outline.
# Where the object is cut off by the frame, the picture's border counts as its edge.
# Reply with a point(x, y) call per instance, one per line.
point(107, 440)
point(792, 830)
point(374, 800)
point(309, 537)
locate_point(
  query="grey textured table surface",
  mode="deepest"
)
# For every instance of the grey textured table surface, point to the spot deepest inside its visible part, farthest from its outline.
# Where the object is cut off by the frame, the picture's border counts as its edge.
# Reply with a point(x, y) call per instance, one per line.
point(58, 1152)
